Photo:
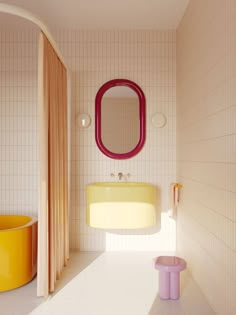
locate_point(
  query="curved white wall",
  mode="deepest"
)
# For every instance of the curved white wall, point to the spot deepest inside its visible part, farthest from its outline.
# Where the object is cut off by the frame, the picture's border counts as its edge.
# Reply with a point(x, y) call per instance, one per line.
point(206, 107)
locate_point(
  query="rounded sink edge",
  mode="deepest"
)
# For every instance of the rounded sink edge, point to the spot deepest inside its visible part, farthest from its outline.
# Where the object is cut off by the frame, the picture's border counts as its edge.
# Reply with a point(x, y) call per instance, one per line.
point(123, 227)
point(103, 184)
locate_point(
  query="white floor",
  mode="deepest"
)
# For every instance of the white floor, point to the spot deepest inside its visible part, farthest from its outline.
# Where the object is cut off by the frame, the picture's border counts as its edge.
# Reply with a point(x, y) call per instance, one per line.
point(107, 284)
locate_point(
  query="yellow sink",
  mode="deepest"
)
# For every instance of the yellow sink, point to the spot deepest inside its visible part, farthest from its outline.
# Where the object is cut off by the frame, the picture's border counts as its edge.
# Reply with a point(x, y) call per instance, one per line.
point(121, 205)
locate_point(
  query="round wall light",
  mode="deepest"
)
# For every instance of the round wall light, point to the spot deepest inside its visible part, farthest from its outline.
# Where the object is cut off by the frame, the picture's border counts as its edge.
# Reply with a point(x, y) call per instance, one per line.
point(159, 120)
point(83, 120)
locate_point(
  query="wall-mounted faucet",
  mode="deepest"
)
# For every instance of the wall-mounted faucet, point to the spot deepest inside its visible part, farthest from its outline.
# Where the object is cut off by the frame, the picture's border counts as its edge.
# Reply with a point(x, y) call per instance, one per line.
point(121, 175)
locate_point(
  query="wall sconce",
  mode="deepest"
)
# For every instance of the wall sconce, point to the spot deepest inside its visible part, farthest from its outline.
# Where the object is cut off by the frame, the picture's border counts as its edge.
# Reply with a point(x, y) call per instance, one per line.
point(83, 120)
point(159, 120)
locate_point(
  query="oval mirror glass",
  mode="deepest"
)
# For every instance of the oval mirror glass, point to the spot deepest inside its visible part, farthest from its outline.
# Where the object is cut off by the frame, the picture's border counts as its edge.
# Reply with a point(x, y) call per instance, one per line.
point(120, 119)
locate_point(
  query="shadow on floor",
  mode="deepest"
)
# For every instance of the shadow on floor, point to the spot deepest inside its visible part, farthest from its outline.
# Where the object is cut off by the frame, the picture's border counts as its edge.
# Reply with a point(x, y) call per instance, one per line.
point(24, 300)
point(76, 264)
point(191, 301)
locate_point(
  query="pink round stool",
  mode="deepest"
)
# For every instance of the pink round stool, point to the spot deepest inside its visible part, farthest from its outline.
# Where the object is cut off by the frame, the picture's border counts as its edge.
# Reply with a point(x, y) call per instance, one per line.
point(169, 268)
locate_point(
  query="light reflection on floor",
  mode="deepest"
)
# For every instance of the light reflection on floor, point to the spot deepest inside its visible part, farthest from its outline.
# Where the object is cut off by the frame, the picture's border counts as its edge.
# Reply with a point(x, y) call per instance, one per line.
point(107, 284)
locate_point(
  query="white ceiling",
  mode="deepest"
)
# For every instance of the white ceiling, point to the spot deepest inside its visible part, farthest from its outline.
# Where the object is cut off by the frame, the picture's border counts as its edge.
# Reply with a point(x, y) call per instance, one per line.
point(9, 21)
point(103, 14)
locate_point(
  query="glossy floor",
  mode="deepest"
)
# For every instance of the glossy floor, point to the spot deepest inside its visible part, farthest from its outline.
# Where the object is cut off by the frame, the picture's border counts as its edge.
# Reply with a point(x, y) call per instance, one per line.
point(107, 284)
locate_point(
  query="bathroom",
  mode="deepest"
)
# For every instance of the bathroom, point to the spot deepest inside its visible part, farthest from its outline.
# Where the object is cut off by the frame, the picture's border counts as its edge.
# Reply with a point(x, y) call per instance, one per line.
point(181, 55)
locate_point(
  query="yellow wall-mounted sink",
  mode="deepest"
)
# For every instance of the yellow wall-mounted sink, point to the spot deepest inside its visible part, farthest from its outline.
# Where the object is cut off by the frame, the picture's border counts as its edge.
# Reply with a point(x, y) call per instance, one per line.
point(121, 205)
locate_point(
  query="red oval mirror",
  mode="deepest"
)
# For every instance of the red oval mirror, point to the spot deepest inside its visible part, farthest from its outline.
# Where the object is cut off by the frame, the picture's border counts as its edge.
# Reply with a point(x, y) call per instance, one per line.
point(120, 122)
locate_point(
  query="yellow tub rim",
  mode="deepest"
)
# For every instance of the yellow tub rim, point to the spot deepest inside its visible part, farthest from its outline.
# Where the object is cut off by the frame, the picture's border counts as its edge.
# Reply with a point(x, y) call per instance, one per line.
point(15, 222)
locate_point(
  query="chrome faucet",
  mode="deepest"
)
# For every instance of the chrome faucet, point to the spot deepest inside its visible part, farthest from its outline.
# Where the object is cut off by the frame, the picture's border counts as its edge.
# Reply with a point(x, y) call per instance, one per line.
point(120, 175)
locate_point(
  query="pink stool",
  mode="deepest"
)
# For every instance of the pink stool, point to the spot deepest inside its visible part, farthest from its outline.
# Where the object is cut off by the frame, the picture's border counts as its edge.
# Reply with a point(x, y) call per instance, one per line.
point(169, 268)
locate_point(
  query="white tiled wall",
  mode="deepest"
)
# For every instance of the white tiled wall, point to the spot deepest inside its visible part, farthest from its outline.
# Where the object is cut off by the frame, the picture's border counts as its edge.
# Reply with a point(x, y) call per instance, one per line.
point(147, 58)
point(18, 123)
point(206, 103)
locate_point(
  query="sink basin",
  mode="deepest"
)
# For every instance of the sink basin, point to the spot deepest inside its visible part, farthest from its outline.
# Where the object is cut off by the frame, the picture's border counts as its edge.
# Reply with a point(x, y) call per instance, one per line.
point(121, 205)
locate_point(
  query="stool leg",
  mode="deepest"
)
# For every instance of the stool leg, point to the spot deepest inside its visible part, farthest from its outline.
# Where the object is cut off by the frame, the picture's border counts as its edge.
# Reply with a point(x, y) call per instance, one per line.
point(164, 285)
point(174, 285)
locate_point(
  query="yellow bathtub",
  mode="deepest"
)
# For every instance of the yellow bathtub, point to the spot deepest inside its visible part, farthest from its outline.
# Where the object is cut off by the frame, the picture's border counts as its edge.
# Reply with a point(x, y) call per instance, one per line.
point(18, 250)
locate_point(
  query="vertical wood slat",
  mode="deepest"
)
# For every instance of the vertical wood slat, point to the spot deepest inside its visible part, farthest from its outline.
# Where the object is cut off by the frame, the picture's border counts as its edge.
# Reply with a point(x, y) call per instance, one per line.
point(61, 150)
point(51, 176)
point(59, 195)
point(65, 173)
point(54, 90)
point(42, 280)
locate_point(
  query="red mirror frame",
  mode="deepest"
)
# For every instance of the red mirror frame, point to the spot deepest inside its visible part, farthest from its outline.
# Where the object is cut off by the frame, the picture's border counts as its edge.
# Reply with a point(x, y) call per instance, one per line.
point(142, 115)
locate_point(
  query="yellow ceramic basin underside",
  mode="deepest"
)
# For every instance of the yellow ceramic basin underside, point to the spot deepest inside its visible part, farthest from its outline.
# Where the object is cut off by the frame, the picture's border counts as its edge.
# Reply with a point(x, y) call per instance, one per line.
point(121, 205)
